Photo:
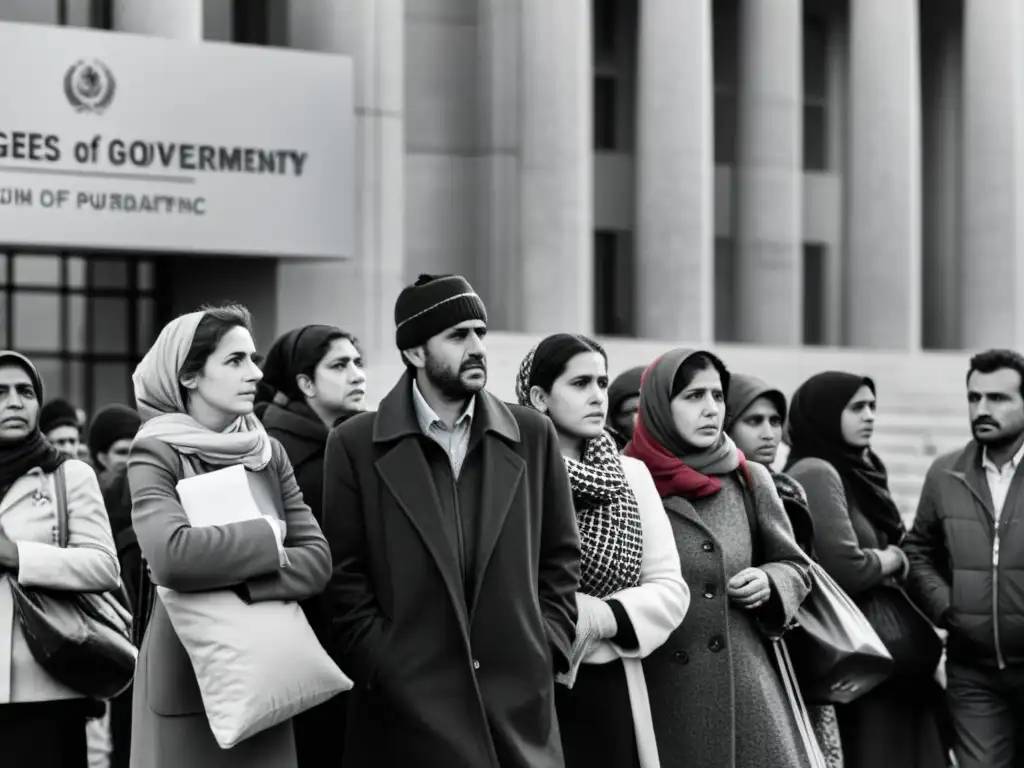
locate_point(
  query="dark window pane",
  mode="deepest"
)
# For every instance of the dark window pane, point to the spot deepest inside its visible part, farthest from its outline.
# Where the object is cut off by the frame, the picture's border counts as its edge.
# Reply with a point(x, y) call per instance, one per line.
point(725, 48)
point(4, 341)
point(815, 291)
point(605, 29)
point(110, 326)
point(725, 127)
point(51, 370)
point(613, 284)
point(110, 382)
point(816, 58)
point(250, 21)
point(77, 394)
point(144, 276)
point(815, 137)
point(3, 269)
point(604, 113)
point(725, 292)
point(37, 270)
point(147, 325)
point(108, 273)
point(37, 322)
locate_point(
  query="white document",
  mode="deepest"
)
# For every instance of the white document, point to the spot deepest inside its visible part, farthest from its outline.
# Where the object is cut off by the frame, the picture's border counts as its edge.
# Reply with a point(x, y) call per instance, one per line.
point(218, 498)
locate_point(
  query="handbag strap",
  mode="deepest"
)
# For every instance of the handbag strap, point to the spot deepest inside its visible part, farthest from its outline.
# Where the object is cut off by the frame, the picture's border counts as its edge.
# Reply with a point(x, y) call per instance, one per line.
point(61, 492)
point(796, 704)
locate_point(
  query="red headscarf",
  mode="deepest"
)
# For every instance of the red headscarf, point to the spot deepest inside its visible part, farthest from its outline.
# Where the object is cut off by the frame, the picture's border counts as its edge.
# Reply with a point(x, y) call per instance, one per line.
point(656, 443)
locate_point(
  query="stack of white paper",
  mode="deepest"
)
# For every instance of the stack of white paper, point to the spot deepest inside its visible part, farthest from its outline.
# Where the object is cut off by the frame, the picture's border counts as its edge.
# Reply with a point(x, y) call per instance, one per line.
point(218, 498)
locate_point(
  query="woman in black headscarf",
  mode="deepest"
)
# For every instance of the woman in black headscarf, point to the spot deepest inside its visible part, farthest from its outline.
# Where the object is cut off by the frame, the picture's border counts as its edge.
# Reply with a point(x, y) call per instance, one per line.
point(316, 372)
point(42, 721)
point(857, 535)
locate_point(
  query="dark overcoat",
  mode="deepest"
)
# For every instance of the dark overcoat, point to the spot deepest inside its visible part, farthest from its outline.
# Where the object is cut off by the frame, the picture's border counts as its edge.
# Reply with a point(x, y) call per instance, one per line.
point(442, 680)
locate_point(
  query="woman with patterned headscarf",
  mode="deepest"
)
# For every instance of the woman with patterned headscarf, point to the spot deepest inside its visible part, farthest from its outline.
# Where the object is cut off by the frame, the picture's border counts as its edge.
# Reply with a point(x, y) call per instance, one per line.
point(195, 390)
point(716, 695)
point(632, 595)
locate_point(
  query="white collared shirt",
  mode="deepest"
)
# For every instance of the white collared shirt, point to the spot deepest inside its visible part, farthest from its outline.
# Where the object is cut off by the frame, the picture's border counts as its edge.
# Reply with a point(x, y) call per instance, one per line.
point(454, 441)
point(999, 479)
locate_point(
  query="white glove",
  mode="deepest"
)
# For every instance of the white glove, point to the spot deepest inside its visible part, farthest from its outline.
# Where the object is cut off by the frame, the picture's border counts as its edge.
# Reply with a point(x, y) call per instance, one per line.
point(595, 622)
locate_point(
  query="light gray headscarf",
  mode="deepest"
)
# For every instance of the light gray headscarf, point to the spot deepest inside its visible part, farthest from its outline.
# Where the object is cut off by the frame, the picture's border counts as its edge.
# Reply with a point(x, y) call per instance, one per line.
point(165, 417)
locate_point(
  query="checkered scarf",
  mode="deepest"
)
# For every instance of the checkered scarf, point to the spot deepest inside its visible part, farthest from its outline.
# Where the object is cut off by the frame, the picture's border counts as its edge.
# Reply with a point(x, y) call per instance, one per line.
point(607, 514)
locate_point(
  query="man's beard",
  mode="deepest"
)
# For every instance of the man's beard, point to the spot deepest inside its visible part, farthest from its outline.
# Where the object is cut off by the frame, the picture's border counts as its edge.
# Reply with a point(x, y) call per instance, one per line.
point(996, 441)
point(450, 382)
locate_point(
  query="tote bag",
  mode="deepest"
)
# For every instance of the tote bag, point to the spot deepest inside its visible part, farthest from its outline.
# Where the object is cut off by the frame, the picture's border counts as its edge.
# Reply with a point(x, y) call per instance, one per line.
point(257, 665)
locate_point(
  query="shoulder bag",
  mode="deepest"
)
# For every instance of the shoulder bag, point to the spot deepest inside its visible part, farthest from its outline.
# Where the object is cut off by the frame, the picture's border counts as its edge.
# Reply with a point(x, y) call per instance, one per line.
point(83, 640)
point(837, 654)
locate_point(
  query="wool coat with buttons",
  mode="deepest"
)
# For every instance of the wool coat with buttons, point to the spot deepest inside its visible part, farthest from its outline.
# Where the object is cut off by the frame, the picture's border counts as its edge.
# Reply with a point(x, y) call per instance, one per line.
point(453, 644)
point(716, 696)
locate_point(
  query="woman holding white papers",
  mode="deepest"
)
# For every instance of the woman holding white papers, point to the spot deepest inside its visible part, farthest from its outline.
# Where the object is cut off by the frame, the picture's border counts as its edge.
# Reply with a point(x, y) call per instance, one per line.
point(195, 390)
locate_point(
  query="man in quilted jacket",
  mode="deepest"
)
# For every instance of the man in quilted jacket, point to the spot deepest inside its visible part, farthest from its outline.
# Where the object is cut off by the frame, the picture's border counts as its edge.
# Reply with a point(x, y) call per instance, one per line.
point(967, 565)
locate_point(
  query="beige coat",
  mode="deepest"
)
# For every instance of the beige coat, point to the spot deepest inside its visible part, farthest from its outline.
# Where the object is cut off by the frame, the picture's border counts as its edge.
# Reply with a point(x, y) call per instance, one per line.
point(88, 564)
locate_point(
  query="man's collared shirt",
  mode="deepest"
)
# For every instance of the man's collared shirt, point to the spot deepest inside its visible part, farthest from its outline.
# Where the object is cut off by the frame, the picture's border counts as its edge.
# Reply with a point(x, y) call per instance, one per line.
point(999, 479)
point(455, 441)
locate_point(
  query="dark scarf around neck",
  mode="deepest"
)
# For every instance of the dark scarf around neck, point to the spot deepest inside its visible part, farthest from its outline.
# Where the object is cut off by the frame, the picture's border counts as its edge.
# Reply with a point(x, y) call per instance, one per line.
point(20, 458)
point(608, 518)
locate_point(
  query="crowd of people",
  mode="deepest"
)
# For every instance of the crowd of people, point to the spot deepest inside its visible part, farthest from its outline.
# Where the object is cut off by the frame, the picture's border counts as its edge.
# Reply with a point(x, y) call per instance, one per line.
point(599, 574)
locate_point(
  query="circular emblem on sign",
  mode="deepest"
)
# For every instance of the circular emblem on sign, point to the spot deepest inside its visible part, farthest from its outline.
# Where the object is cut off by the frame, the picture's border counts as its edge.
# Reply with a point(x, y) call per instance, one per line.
point(89, 85)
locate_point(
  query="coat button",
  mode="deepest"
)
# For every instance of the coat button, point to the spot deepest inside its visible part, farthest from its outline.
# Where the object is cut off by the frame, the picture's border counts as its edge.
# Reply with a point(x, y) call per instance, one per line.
point(716, 643)
point(708, 546)
point(709, 591)
point(476, 664)
point(681, 657)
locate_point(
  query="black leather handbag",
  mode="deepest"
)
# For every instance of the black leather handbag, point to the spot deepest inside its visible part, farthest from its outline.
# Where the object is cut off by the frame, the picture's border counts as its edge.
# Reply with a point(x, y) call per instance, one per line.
point(83, 640)
point(907, 633)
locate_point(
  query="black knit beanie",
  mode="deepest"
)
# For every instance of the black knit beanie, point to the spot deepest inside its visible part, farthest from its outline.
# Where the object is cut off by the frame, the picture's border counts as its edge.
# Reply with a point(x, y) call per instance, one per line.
point(112, 423)
point(433, 304)
point(57, 413)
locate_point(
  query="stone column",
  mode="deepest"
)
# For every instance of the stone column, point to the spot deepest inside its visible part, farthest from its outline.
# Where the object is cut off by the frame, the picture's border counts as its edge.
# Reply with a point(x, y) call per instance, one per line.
point(556, 166)
point(179, 19)
point(359, 293)
point(768, 187)
point(675, 167)
point(993, 192)
point(882, 268)
point(499, 51)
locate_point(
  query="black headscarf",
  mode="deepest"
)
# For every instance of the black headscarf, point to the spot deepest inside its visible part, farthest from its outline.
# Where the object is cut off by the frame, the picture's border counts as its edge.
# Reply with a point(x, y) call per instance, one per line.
point(22, 456)
point(815, 430)
point(296, 352)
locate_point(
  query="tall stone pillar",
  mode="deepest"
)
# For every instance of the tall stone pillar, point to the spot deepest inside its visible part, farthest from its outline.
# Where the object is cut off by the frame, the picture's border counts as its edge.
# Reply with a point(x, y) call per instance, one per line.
point(359, 294)
point(675, 172)
point(882, 260)
point(991, 268)
point(179, 19)
point(556, 166)
point(768, 188)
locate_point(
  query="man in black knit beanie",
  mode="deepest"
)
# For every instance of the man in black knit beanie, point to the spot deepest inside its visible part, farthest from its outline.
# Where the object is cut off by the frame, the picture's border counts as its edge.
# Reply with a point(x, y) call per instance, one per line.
point(457, 559)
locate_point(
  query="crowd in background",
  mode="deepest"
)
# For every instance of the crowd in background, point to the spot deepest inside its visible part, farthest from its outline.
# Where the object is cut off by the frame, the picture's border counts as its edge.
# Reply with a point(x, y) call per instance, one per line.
point(603, 573)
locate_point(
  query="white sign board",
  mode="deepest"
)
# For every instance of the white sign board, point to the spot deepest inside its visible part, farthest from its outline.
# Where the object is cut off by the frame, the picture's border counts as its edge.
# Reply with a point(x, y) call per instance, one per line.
point(123, 142)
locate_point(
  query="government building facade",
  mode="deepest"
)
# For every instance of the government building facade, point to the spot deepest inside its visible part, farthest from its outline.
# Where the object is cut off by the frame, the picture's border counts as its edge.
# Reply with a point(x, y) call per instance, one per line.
point(844, 173)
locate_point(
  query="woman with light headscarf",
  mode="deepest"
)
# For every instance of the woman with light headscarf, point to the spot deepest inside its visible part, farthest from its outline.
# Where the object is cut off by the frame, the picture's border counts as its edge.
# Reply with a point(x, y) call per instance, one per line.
point(195, 390)
point(716, 696)
point(632, 594)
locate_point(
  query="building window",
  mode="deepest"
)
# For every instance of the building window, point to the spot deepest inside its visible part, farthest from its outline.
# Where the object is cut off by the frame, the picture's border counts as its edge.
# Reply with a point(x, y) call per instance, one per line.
point(815, 293)
point(250, 20)
point(101, 14)
point(605, 113)
point(725, 290)
point(605, 31)
point(816, 94)
point(84, 322)
point(613, 284)
point(725, 62)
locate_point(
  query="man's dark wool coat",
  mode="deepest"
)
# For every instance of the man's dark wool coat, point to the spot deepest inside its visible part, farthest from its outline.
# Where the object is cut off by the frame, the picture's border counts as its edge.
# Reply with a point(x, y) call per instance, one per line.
point(450, 671)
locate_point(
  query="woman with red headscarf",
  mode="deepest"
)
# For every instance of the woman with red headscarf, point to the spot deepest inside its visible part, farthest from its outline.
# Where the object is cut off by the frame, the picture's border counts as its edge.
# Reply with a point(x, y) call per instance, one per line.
point(716, 697)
